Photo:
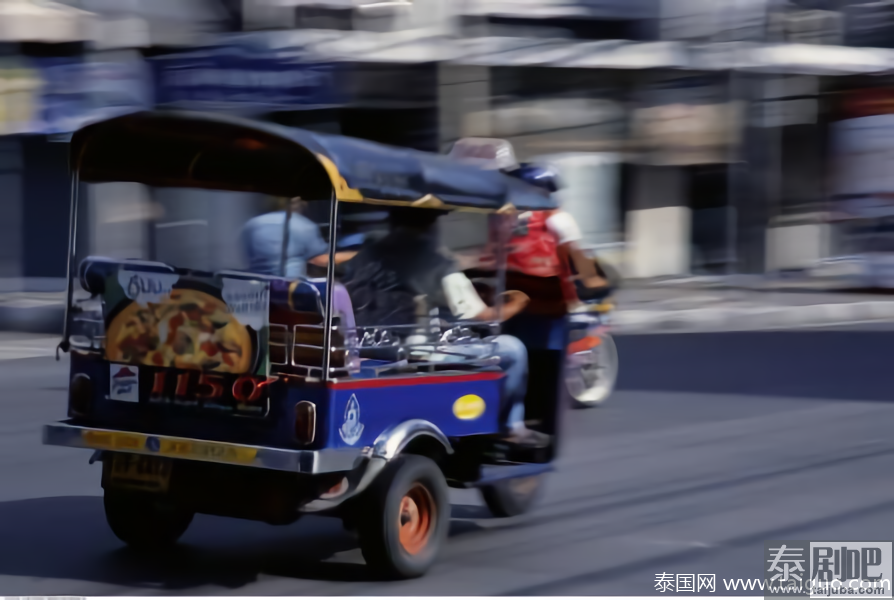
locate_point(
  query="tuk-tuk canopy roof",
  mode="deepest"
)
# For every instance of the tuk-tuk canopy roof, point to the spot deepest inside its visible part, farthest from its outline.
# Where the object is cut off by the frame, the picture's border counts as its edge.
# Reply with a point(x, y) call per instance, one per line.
point(197, 150)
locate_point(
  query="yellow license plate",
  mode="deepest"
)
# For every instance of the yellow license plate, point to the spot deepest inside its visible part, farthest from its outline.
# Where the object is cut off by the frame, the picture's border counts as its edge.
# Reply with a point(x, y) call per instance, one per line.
point(141, 472)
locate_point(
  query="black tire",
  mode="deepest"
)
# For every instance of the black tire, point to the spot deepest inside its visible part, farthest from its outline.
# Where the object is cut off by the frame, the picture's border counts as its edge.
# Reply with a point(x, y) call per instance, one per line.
point(143, 521)
point(383, 510)
point(512, 497)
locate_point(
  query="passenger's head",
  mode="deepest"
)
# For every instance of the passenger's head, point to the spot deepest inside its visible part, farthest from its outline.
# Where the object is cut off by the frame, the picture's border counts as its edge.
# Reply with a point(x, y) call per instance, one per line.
point(419, 219)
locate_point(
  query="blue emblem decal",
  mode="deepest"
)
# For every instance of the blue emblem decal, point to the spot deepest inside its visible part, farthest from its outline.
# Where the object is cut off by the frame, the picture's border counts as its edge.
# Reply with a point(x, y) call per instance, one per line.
point(352, 427)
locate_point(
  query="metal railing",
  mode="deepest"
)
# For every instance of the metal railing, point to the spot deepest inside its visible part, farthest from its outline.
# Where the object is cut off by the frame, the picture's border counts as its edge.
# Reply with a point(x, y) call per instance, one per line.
point(417, 352)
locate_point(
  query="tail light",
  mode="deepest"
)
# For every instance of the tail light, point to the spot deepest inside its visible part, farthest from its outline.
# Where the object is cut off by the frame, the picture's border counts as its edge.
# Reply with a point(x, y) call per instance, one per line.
point(305, 422)
point(80, 396)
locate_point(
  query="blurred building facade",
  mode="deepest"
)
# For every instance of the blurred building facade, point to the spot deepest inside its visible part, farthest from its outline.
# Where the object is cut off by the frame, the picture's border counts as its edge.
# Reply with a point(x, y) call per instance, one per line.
point(695, 136)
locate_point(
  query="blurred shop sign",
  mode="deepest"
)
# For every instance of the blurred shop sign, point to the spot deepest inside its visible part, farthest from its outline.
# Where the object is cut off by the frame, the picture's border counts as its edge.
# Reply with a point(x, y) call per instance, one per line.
point(100, 86)
point(688, 134)
point(868, 103)
point(20, 86)
point(787, 101)
point(863, 146)
point(245, 78)
point(869, 23)
point(859, 23)
point(550, 115)
point(687, 121)
point(862, 185)
point(713, 20)
point(804, 25)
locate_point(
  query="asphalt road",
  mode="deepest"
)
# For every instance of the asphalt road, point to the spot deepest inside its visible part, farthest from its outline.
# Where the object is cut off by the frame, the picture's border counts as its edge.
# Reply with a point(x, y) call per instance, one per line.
point(714, 444)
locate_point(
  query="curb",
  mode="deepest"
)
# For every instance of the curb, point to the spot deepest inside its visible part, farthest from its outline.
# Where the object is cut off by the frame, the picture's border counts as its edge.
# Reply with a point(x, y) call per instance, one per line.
point(750, 318)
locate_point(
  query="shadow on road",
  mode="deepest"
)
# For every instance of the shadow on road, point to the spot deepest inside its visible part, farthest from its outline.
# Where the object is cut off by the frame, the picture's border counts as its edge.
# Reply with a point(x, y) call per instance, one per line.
point(67, 538)
point(852, 365)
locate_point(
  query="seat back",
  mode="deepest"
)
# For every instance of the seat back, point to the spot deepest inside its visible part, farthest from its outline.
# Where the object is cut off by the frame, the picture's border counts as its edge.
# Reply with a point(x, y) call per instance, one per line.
point(297, 336)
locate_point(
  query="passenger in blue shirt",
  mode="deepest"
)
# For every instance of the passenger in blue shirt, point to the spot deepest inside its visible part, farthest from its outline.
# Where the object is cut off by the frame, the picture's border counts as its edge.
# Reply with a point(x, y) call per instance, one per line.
point(262, 239)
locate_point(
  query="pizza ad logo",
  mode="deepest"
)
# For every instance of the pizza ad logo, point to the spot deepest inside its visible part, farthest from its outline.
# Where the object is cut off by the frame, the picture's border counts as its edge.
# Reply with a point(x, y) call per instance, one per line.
point(124, 383)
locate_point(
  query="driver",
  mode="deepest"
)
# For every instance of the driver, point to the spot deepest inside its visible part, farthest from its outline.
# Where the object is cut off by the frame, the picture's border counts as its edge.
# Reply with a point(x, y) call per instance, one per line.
point(388, 275)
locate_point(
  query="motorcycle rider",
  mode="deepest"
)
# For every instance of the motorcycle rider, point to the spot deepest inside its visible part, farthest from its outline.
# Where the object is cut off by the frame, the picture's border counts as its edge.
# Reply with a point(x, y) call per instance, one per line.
point(544, 243)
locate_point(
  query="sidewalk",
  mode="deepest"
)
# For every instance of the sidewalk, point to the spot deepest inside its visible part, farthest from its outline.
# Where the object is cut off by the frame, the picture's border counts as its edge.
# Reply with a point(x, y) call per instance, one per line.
point(32, 312)
point(690, 308)
point(680, 305)
point(27, 345)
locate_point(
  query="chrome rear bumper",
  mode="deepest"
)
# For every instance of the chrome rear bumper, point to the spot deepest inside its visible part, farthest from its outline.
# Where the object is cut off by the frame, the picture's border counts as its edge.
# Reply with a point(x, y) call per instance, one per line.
point(279, 459)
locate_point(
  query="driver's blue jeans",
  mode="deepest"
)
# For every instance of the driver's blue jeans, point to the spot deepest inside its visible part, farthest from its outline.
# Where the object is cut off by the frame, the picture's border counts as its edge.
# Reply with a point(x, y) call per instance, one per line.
point(514, 363)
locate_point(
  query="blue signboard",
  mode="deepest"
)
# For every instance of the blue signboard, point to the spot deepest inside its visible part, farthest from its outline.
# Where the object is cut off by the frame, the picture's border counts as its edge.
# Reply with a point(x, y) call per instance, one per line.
point(244, 78)
point(76, 91)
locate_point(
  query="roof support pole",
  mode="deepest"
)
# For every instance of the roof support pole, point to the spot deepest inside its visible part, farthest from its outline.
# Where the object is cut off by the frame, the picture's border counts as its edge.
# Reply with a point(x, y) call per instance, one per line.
point(70, 266)
point(330, 286)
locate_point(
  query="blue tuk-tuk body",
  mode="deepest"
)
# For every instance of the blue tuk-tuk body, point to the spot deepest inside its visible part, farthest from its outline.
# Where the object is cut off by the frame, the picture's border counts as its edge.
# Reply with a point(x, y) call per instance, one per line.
point(323, 416)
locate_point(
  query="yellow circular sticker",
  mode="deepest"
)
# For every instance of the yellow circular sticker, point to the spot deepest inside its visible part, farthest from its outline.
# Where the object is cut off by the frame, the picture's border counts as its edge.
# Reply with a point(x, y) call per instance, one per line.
point(468, 407)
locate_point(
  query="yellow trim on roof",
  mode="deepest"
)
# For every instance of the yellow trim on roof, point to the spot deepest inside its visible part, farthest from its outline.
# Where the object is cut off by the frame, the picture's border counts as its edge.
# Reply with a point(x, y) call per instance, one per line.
point(343, 191)
point(428, 201)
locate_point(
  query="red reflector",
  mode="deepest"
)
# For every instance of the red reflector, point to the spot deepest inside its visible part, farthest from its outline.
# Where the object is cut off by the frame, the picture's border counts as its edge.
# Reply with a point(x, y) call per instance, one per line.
point(305, 422)
point(582, 345)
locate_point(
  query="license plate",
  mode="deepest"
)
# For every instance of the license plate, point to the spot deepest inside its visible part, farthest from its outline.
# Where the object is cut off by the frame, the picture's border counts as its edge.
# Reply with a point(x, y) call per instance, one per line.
point(147, 473)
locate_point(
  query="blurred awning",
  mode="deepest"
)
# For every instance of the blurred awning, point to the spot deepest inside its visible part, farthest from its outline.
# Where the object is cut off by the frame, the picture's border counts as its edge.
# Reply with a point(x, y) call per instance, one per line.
point(340, 4)
point(811, 59)
point(44, 22)
point(610, 54)
point(419, 46)
point(552, 9)
point(415, 46)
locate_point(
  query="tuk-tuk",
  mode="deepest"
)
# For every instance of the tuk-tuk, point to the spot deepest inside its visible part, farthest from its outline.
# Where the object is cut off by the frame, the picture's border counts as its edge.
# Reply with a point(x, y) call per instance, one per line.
point(267, 397)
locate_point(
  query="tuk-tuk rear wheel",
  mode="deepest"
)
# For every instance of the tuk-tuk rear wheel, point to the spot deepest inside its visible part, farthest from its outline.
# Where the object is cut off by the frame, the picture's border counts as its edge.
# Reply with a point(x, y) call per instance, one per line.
point(403, 518)
point(143, 521)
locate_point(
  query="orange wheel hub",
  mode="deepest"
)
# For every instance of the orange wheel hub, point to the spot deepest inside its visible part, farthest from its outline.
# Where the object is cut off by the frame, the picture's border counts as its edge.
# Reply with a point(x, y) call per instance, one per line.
point(416, 518)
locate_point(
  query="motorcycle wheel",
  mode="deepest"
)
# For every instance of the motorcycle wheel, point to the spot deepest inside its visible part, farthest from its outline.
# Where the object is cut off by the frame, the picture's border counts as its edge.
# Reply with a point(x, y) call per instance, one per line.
point(593, 379)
